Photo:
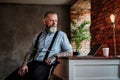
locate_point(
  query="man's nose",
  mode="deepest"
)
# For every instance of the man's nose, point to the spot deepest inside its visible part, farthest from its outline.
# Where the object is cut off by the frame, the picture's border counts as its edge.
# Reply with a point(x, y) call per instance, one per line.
point(53, 22)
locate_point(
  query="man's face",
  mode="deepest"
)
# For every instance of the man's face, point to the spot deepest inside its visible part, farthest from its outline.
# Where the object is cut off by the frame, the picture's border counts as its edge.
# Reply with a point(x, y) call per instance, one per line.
point(51, 20)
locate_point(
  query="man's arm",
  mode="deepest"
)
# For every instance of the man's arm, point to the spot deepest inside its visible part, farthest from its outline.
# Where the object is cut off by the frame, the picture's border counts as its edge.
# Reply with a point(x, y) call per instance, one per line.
point(24, 68)
point(26, 59)
point(66, 47)
point(58, 55)
point(65, 54)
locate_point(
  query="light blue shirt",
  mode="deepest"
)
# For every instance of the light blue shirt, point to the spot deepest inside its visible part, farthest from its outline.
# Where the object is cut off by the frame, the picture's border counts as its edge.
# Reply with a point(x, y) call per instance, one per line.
point(60, 44)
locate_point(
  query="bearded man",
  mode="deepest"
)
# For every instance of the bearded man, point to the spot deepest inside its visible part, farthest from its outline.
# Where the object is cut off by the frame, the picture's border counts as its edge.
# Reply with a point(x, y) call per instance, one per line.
point(40, 68)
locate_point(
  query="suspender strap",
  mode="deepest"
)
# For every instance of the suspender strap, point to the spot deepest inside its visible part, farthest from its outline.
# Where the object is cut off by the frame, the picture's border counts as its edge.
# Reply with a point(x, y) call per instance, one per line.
point(50, 47)
point(36, 45)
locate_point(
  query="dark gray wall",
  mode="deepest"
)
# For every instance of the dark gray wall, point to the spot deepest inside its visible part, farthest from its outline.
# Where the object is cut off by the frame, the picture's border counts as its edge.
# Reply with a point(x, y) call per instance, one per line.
point(18, 25)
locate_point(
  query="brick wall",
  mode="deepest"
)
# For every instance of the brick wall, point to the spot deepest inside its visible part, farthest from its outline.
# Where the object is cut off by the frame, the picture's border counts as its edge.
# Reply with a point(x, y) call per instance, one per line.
point(80, 12)
point(101, 26)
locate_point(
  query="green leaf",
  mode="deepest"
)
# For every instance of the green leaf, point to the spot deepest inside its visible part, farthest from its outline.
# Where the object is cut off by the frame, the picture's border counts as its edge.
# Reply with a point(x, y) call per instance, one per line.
point(79, 33)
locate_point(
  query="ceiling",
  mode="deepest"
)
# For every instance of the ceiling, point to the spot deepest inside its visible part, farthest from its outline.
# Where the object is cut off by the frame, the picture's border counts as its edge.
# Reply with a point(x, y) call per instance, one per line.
point(42, 2)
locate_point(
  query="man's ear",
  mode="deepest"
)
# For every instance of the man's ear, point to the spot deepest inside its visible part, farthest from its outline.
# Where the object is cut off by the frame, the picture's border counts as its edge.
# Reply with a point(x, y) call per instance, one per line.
point(44, 21)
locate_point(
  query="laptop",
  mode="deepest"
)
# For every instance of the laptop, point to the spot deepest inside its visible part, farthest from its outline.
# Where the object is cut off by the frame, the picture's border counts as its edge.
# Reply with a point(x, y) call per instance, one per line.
point(93, 51)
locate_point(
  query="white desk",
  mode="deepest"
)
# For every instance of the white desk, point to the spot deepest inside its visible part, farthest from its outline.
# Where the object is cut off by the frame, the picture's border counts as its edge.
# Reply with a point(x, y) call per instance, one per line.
point(97, 68)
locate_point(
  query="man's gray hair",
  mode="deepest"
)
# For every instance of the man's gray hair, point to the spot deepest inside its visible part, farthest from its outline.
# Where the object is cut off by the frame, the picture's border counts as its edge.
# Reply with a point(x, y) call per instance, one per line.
point(49, 12)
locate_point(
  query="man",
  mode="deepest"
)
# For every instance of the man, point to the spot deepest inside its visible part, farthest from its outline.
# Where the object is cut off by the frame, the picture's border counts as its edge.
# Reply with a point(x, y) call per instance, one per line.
point(61, 47)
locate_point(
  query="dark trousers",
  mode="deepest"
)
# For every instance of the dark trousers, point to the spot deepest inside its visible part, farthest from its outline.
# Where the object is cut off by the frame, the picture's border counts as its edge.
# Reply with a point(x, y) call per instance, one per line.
point(36, 71)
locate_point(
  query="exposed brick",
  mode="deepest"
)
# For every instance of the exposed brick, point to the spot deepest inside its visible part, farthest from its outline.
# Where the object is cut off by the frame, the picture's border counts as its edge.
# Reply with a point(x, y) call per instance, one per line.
point(80, 12)
point(100, 13)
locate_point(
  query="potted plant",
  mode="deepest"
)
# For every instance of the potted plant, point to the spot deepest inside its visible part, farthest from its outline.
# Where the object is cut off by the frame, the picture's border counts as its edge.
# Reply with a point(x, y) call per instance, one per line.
point(79, 34)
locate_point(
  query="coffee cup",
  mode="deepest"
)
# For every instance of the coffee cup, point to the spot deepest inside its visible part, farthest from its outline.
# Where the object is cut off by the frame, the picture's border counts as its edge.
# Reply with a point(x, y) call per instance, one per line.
point(106, 52)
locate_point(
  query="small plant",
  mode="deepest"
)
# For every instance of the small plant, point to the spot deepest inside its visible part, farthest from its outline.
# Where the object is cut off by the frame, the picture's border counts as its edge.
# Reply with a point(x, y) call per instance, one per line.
point(79, 34)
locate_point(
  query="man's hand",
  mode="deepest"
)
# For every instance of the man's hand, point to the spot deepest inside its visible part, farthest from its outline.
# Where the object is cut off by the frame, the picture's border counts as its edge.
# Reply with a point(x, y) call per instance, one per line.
point(23, 70)
point(47, 61)
point(50, 60)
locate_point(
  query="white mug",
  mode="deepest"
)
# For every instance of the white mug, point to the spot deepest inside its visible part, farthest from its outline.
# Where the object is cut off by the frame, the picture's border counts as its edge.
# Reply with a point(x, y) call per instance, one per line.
point(106, 52)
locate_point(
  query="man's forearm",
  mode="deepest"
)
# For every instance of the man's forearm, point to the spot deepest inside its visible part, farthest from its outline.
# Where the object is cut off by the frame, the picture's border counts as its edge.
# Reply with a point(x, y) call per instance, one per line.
point(65, 53)
point(26, 59)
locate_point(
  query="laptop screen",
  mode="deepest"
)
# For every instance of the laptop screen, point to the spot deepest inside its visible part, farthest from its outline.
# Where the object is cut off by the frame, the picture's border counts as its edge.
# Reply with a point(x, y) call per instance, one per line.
point(95, 49)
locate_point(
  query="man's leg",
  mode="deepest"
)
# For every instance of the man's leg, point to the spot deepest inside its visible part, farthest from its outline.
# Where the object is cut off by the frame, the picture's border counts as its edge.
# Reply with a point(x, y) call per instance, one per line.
point(41, 72)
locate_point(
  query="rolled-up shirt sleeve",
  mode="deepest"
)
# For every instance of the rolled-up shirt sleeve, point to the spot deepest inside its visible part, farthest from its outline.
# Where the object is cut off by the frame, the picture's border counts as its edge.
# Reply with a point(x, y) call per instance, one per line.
point(66, 45)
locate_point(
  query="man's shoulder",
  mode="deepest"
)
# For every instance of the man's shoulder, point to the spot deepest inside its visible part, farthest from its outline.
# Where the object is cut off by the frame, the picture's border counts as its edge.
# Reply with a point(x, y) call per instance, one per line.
point(61, 32)
point(38, 34)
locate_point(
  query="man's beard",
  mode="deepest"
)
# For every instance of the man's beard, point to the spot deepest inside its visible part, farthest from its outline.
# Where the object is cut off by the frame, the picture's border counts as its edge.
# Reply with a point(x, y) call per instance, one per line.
point(52, 29)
